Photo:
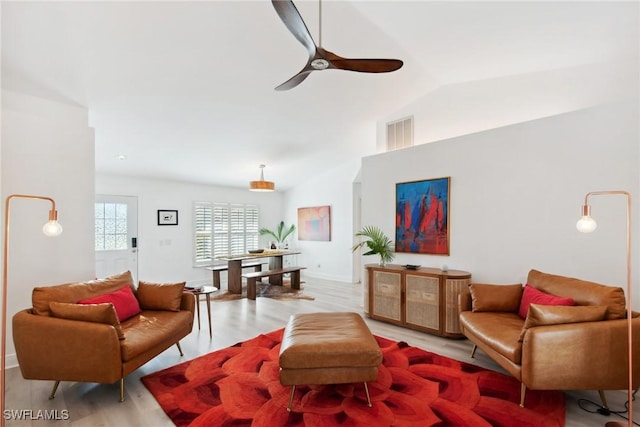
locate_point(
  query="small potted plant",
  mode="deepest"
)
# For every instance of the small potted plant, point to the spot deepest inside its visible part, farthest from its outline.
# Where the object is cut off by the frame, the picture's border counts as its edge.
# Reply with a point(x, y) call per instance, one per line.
point(377, 243)
point(280, 235)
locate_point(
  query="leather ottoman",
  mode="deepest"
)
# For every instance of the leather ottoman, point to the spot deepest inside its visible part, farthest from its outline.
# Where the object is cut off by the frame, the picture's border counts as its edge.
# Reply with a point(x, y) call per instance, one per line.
point(328, 348)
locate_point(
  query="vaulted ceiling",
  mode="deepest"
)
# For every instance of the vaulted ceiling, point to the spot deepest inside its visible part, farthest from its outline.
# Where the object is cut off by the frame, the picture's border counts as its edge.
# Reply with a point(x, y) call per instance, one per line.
point(185, 90)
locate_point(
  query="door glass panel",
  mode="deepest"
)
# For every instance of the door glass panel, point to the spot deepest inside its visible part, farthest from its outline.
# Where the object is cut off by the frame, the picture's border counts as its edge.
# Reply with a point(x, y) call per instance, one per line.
point(111, 226)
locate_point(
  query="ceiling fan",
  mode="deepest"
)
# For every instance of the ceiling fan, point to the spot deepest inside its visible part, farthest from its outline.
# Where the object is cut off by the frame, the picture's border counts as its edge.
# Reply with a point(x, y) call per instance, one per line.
point(319, 58)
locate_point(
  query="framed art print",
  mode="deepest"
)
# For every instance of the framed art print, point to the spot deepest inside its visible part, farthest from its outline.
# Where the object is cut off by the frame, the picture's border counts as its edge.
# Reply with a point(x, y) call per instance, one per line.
point(167, 217)
point(422, 216)
point(314, 223)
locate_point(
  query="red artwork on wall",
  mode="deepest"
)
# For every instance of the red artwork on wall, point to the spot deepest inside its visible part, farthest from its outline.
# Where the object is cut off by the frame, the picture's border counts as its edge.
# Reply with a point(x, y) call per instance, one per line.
point(422, 216)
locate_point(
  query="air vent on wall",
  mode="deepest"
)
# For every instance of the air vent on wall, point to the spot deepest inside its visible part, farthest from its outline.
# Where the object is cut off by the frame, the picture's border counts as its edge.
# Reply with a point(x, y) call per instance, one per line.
point(400, 133)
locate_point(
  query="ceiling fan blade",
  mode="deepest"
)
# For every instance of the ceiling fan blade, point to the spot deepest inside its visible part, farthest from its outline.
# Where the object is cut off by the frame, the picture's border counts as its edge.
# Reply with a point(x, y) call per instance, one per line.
point(294, 22)
point(367, 65)
point(319, 58)
point(295, 80)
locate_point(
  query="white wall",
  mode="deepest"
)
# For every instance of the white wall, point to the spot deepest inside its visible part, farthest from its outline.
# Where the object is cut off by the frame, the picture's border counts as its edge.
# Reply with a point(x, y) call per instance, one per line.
point(47, 150)
point(464, 108)
point(516, 193)
point(165, 254)
point(329, 260)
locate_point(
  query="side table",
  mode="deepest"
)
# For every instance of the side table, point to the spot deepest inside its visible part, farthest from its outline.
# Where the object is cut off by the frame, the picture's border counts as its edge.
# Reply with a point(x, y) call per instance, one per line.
point(206, 291)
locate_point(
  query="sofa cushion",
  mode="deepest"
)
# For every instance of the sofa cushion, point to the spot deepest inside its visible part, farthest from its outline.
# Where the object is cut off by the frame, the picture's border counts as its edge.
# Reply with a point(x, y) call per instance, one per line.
point(498, 331)
point(97, 313)
point(160, 296)
point(73, 292)
point(582, 292)
point(486, 297)
point(152, 330)
point(531, 295)
point(123, 300)
point(541, 315)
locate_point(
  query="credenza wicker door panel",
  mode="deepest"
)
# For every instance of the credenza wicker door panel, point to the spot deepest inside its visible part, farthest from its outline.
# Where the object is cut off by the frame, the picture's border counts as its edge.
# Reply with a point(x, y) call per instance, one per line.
point(422, 307)
point(422, 298)
point(387, 295)
point(452, 289)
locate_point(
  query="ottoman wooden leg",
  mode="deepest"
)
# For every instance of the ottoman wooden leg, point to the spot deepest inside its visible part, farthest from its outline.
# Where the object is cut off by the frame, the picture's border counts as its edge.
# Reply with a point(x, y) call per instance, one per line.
point(366, 391)
point(473, 351)
point(293, 390)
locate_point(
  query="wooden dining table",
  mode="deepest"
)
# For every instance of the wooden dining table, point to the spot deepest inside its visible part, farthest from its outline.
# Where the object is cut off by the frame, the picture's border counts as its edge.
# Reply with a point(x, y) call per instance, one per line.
point(234, 263)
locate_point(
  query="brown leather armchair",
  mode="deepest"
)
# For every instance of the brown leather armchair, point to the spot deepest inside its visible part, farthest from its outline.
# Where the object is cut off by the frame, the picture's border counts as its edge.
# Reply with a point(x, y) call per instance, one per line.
point(554, 348)
point(68, 345)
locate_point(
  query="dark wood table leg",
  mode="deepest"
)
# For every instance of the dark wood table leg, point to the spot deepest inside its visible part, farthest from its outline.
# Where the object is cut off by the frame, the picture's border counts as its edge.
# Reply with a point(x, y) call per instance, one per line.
point(216, 279)
point(251, 288)
point(295, 279)
point(234, 278)
point(275, 263)
point(256, 269)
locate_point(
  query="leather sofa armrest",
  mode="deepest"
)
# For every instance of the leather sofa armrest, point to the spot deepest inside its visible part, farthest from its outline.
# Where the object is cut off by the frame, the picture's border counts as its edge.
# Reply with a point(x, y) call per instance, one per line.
point(464, 301)
point(188, 302)
point(580, 356)
point(50, 348)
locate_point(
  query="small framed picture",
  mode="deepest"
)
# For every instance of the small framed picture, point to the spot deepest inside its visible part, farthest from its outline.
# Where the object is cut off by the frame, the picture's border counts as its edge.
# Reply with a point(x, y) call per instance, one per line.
point(167, 217)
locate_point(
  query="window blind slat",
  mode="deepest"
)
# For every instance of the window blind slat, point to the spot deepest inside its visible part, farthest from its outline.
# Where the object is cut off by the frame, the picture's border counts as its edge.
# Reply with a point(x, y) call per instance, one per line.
point(222, 229)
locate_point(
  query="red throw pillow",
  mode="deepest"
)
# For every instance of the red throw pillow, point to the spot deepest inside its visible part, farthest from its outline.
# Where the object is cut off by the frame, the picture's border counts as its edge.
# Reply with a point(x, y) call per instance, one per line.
point(531, 295)
point(123, 301)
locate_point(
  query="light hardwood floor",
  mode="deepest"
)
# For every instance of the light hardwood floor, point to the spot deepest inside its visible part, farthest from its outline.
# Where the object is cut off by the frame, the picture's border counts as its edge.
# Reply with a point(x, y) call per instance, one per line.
point(235, 321)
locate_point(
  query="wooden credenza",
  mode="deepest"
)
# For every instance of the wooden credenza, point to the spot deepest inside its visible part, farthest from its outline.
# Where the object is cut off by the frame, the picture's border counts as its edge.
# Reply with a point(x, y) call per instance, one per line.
point(425, 299)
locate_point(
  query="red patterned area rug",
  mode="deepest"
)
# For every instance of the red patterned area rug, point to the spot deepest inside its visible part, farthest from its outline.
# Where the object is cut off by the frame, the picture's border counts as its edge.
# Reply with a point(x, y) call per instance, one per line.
point(239, 386)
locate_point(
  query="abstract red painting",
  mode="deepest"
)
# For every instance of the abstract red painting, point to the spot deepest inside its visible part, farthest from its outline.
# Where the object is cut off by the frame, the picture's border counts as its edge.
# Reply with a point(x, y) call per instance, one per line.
point(422, 216)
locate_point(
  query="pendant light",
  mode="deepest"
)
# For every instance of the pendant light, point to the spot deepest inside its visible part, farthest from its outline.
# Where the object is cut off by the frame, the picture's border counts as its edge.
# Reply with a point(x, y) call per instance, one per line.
point(261, 185)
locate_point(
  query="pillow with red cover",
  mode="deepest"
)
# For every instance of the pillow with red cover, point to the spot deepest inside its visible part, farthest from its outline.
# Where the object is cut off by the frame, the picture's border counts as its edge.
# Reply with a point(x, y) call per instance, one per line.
point(123, 301)
point(531, 295)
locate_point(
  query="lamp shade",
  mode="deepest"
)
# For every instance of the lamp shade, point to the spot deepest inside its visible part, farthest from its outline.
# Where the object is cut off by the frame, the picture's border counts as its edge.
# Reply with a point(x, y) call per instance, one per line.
point(261, 185)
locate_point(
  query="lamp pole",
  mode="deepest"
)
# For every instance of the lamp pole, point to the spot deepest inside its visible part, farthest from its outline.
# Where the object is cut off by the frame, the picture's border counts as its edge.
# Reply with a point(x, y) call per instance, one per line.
point(51, 228)
point(587, 224)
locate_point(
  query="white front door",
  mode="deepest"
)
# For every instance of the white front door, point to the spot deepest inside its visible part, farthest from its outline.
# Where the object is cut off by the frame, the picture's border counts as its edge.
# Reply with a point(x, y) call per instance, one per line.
point(116, 231)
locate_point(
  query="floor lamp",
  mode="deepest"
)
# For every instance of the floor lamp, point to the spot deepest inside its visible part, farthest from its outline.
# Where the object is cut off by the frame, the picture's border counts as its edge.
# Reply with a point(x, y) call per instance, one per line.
point(51, 228)
point(586, 224)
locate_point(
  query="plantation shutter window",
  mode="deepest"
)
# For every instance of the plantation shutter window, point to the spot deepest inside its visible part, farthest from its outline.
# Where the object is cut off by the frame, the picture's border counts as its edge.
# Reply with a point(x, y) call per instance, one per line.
point(223, 229)
point(252, 225)
point(203, 232)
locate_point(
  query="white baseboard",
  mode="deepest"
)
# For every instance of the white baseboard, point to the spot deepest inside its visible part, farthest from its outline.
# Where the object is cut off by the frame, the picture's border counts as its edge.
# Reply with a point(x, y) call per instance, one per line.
point(315, 275)
point(11, 361)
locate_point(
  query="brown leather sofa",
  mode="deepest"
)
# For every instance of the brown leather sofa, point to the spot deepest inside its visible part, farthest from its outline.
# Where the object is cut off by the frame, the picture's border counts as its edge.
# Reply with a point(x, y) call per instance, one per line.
point(60, 340)
point(554, 347)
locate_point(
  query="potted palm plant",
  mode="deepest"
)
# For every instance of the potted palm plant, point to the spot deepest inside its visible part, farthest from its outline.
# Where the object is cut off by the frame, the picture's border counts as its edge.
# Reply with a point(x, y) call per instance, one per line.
point(280, 234)
point(377, 242)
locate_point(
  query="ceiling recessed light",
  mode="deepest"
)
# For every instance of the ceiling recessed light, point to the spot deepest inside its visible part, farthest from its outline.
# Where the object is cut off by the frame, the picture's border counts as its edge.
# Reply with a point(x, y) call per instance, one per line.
point(122, 157)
